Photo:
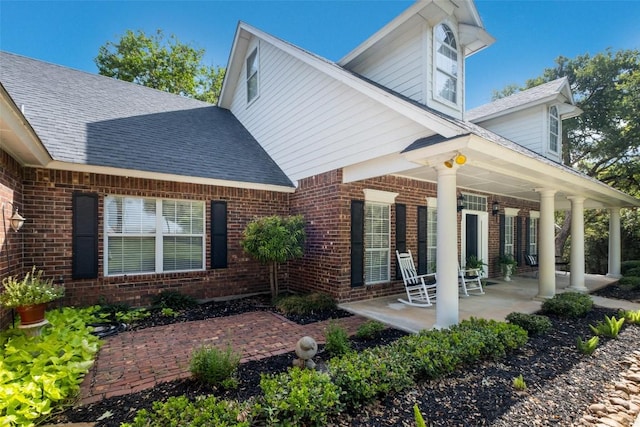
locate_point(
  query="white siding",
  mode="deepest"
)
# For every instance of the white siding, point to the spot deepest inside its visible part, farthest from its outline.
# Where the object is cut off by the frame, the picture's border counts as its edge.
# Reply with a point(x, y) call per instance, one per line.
point(523, 127)
point(309, 123)
point(397, 61)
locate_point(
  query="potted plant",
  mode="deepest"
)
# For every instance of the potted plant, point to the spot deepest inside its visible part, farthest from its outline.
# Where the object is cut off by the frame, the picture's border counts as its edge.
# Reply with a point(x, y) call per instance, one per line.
point(507, 266)
point(475, 263)
point(29, 295)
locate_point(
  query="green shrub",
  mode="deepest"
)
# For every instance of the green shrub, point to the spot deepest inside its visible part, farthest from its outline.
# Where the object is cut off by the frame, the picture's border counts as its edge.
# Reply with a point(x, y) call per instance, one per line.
point(568, 304)
point(369, 374)
point(498, 337)
point(337, 340)
point(609, 328)
point(632, 282)
point(534, 324)
point(519, 383)
point(215, 367)
point(633, 272)
point(202, 412)
point(588, 346)
point(630, 316)
point(429, 353)
point(299, 397)
point(370, 329)
point(305, 304)
point(628, 265)
point(174, 300)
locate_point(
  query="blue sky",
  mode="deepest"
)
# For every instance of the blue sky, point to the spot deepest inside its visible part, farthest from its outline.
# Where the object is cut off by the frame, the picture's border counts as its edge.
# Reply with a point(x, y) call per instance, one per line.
point(530, 34)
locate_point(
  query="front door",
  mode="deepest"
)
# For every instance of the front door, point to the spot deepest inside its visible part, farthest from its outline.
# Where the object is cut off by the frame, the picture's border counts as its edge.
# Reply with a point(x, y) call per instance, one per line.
point(475, 237)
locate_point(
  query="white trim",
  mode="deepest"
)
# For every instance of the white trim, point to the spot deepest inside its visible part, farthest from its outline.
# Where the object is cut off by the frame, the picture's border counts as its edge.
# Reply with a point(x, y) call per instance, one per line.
point(511, 211)
point(379, 196)
point(534, 214)
point(432, 202)
point(256, 49)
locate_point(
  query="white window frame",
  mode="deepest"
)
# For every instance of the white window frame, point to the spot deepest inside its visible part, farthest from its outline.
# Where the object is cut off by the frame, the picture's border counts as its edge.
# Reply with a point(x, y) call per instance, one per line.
point(160, 227)
point(447, 73)
point(378, 199)
point(534, 218)
point(432, 233)
point(554, 117)
point(254, 75)
point(510, 230)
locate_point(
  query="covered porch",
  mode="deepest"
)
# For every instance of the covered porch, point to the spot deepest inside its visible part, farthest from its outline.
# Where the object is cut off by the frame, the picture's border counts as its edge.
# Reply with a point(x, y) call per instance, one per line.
point(500, 299)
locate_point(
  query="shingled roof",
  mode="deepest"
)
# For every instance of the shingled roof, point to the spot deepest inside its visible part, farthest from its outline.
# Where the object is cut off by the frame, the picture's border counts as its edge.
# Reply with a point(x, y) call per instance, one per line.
point(94, 120)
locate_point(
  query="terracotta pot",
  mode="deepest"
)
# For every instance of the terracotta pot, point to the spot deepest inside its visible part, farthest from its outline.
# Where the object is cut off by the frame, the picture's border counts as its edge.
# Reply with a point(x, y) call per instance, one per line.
point(30, 314)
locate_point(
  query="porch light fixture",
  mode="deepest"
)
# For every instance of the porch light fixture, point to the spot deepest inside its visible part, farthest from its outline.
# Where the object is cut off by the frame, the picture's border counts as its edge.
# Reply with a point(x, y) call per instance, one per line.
point(460, 202)
point(458, 159)
point(495, 207)
point(16, 221)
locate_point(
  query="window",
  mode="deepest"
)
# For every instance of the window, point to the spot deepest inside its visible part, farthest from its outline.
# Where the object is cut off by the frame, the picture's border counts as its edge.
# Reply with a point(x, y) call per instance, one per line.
point(376, 242)
point(508, 235)
point(554, 129)
point(473, 202)
point(533, 234)
point(446, 62)
point(153, 235)
point(252, 75)
point(432, 234)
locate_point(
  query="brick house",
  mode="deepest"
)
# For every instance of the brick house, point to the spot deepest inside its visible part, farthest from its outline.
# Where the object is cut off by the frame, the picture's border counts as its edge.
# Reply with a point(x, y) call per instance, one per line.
point(129, 191)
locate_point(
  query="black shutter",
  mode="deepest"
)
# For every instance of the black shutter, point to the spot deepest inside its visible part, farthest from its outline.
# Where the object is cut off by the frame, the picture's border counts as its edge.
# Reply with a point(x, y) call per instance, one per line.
point(84, 252)
point(357, 243)
point(518, 242)
point(218, 234)
point(422, 239)
point(502, 225)
point(401, 233)
point(527, 237)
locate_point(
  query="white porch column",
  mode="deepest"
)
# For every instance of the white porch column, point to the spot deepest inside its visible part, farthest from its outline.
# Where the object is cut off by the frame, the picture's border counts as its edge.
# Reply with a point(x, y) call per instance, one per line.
point(614, 243)
point(546, 247)
point(447, 249)
point(577, 244)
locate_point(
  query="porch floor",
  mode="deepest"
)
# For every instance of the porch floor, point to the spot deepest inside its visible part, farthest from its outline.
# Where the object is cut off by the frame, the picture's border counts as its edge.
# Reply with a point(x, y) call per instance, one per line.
point(499, 300)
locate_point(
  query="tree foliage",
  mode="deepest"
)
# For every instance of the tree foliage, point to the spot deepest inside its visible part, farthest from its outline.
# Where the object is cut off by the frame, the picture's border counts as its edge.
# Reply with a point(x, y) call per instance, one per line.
point(604, 141)
point(159, 63)
point(273, 240)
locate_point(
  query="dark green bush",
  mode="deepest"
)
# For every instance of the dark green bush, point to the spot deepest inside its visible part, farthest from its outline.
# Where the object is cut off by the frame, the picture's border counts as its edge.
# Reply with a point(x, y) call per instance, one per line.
point(370, 329)
point(498, 337)
point(337, 340)
point(625, 266)
point(215, 367)
point(174, 300)
point(568, 304)
point(632, 282)
point(305, 304)
point(203, 412)
point(369, 374)
point(300, 397)
point(634, 272)
point(534, 324)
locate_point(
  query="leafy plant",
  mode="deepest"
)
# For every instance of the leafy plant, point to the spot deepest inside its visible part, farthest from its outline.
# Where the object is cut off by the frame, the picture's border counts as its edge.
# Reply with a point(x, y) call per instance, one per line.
point(370, 329)
point(418, 416)
point(632, 282)
point(305, 304)
point(588, 346)
point(300, 397)
point(32, 289)
point(169, 312)
point(568, 304)
point(630, 316)
point(519, 383)
point(215, 367)
point(273, 240)
point(174, 300)
point(610, 327)
point(202, 412)
point(473, 262)
point(625, 266)
point(534, 324)
point(337, 340)
point(132, 315)
point(39, 374)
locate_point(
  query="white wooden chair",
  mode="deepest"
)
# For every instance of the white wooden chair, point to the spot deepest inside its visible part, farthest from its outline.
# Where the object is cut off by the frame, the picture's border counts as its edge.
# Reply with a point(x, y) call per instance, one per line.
point(421, 289)
point(469, 281)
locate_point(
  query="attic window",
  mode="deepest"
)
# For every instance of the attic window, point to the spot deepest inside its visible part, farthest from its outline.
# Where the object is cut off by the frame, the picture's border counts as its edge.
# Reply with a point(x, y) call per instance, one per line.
point(446, 61)
point(554, 129)
point(252, 75)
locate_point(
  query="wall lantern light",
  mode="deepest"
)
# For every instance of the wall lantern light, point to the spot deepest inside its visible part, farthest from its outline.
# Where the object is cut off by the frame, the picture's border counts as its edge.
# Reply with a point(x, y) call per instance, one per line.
point(16, 221)
point(495, 207)
point(460, 202)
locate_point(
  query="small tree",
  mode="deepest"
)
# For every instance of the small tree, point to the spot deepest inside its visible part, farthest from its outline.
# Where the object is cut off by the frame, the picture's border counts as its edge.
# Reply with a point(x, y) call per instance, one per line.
point(273, 240)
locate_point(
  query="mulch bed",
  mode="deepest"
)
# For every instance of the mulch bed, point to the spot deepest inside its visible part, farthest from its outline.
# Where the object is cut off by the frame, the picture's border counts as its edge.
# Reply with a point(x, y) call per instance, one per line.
point(561, 382)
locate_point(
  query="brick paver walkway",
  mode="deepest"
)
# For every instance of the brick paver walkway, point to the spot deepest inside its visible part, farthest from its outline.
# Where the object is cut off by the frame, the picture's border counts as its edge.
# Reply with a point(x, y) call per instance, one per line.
point(134, 361)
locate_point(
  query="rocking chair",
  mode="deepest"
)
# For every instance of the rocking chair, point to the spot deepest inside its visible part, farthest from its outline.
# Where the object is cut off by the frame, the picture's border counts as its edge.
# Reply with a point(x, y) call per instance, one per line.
point(421, 289)
point(469, 281)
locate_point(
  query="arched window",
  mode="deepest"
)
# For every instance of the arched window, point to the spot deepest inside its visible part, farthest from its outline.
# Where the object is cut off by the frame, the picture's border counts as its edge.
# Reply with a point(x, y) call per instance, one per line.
point(446, 76)
point(554, 129)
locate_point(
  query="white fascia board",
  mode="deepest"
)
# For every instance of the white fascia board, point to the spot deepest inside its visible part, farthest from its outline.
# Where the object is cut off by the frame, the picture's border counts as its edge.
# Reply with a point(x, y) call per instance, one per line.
point(439, 152)
point(548, 175)
point(234, 66)
point(386, 165)
point(133, 173)
point(474, 39)
point(28, 148)
point(423, 117)
point(531, 104)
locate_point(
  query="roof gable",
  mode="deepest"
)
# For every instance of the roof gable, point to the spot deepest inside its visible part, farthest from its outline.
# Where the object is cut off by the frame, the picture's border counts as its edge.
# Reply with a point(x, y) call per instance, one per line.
point(88, 119)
